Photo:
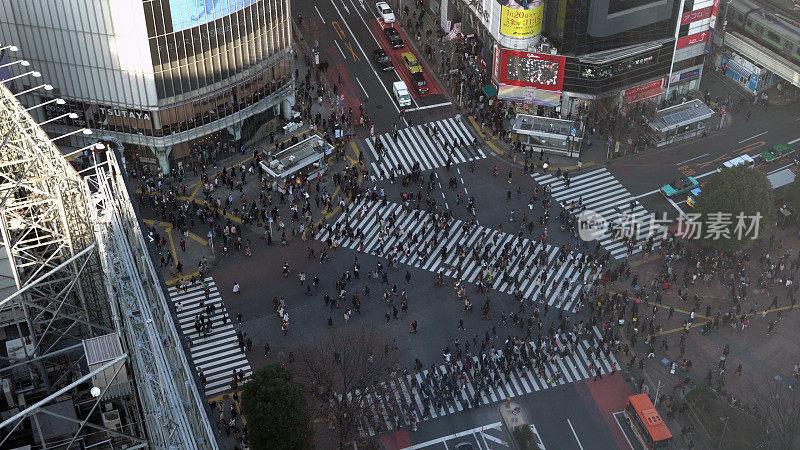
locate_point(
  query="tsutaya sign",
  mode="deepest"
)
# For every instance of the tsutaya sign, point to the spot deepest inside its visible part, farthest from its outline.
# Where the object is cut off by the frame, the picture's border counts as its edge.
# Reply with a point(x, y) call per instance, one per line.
point(121, 112)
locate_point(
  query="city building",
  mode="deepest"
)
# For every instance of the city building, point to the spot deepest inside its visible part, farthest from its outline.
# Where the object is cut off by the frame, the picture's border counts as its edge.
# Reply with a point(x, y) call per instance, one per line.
point(566, 55)
point(760, 44)
point(168, 80)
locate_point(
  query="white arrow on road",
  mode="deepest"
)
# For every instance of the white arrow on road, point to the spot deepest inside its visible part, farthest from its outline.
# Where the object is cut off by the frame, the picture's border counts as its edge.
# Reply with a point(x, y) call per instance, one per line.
point(345, 7)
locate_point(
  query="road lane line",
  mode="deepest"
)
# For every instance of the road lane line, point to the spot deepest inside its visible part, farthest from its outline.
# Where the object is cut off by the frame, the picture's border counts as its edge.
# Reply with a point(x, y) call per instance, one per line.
point(781, 168)
point(320, 14)
point(677, 208)
point(452, 436)
point(340, 48)
point(620, 427)
point(696, 157)
point(792, 142)
point(753, 137)
point(429, 106)
point(362, 87)
point(575, 434)
point(365, 54)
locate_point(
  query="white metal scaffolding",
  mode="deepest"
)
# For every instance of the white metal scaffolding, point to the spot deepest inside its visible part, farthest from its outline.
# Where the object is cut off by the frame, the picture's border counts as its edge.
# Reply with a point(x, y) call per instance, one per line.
point(81, 271)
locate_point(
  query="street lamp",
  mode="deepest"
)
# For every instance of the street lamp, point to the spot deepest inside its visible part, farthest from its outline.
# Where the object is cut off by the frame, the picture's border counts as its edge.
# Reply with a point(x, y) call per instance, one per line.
point(57, 101)
point(85, 131)
point(47, 87)
point(95, 146)
point(71, 115)
point(11, 48)
point(21, 62)
point(32, 73)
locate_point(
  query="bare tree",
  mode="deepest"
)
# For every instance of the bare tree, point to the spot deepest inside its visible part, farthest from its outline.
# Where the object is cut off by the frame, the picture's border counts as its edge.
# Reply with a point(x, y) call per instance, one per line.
point(779, 408)
point(347, 374)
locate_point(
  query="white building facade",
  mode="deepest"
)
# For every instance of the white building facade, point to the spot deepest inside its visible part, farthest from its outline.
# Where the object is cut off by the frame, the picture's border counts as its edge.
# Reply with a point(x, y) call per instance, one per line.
point(169, 79)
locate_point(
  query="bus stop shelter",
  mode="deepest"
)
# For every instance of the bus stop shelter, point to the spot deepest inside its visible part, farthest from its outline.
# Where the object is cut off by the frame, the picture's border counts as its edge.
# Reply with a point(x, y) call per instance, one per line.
point(305, 159)
point(550, 135)
point(680, 122)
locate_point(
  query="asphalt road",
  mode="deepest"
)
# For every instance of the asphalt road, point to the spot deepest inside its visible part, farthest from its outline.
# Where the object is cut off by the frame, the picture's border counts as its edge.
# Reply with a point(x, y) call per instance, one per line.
point(644, 175)
point(346, 33)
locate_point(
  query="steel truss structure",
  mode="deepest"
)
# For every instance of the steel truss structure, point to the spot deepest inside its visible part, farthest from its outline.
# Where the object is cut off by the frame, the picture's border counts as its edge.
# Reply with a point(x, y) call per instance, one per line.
point(96, 360)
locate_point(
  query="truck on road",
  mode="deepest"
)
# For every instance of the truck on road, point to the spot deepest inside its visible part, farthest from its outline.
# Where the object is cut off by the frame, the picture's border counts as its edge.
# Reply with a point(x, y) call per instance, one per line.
point(401, 93)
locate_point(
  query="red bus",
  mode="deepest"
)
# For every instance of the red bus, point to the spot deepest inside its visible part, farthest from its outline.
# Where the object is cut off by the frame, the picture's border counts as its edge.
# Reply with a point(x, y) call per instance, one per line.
point(646, 422)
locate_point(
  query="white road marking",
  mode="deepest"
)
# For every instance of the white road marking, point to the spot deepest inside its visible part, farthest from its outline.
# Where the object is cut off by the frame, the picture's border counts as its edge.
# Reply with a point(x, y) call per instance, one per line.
point(792, 142)
point(429, 106)
point(678, 208)
point(620, 427)
point(365, 54)
point(451, 436)
point(320, 14)
point(780, 168)
point(696, 157)
point(575, 434)
point(345, 7)
point(494, 439)
point(362, 87)
point(753, 137)
point(340, 48)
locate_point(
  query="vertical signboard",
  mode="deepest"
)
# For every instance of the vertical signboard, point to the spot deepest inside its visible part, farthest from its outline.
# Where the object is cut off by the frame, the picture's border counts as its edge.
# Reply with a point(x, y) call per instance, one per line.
point(712, 25)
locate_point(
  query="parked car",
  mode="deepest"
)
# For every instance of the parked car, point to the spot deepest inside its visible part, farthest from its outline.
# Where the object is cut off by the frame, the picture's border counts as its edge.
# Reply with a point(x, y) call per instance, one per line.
point(679, 187)
point(386, 13)
point(394, 38)
point(411, 62)
point(382, 60)
point(420, 82)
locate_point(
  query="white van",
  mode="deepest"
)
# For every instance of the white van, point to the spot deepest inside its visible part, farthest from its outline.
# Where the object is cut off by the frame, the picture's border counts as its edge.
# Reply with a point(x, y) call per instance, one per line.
point(743, 160)
point(401, 93)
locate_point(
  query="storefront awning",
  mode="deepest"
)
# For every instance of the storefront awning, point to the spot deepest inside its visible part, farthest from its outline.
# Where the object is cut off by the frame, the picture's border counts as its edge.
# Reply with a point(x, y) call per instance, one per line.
point(489, 91)
point(644, 95)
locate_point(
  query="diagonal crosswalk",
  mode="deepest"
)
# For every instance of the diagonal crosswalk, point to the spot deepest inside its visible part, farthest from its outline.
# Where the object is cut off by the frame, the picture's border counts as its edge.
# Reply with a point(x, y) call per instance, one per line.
point(602, 193)
point(397, 402)
point(535, 271)
point(217, 352)
point(422, 144)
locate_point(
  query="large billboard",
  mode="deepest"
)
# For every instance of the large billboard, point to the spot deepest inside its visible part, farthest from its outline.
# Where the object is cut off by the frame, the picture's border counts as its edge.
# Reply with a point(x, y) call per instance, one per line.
point(537, 70)
point(191, 13)
point(522, 23)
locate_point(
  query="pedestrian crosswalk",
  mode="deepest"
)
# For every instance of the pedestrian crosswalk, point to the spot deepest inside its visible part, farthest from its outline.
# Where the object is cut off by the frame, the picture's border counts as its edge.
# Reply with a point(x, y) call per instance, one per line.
point(396, 403)
point(217, 352)
point(561, 280)
point(429, 144)
point(602, 193)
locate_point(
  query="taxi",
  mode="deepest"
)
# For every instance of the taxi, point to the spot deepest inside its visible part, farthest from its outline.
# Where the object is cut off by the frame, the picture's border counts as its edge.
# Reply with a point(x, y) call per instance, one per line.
point(679, 187)
point(411, 62)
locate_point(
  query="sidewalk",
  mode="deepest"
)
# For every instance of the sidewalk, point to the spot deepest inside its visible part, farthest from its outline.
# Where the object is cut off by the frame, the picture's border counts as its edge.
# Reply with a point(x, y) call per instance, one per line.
point(716, 349)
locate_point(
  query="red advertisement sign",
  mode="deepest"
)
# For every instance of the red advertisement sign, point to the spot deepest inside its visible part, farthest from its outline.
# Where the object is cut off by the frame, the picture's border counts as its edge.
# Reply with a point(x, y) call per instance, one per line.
point(714, 11)
point(537, 70)
point(693, 16)
point(644, 87)
point(496, 67)
point(692, 39)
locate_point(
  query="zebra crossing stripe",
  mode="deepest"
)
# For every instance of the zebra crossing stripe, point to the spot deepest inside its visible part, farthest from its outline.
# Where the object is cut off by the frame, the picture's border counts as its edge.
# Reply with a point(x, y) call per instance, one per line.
point(418, 223)
point(406, 397)
point(602, 193)
point(418, 144)
point(218, 353)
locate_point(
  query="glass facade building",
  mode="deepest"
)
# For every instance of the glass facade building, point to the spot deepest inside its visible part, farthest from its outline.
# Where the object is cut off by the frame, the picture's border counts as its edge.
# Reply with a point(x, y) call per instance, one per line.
point(156, 75)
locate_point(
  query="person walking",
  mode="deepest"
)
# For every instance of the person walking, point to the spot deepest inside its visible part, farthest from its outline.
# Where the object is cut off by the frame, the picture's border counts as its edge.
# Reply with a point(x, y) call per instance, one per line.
point(235, 288)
